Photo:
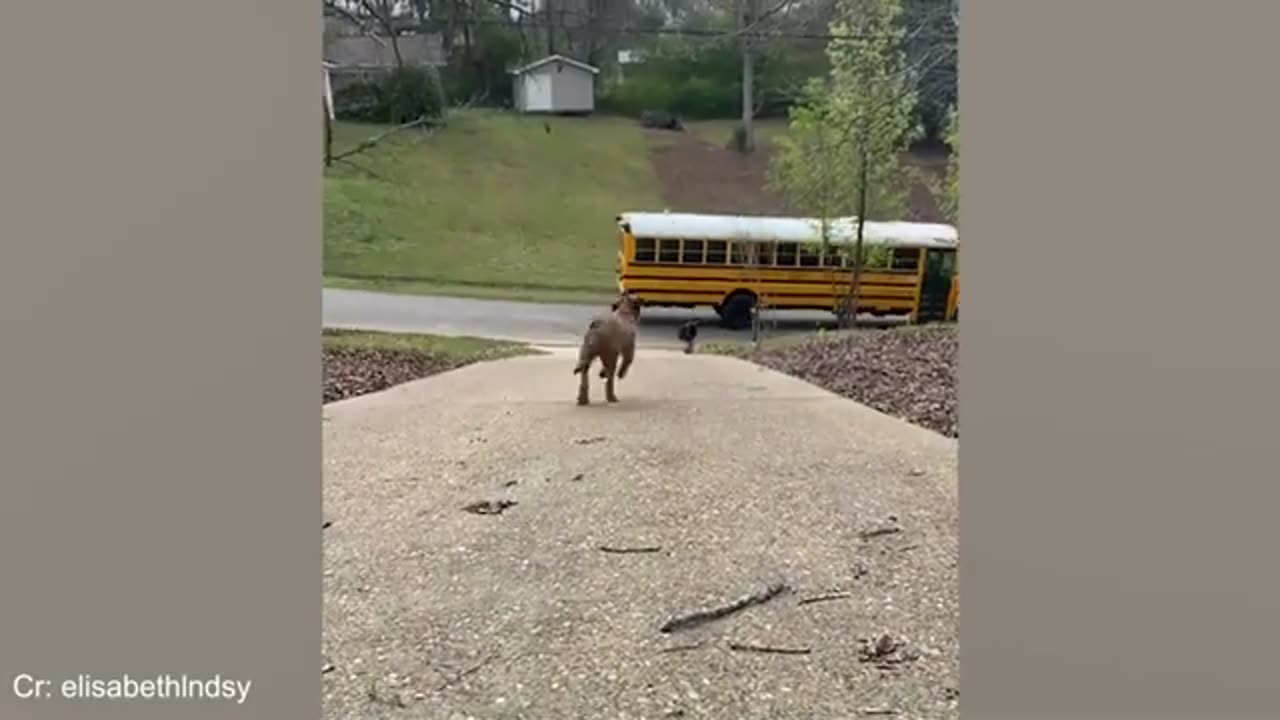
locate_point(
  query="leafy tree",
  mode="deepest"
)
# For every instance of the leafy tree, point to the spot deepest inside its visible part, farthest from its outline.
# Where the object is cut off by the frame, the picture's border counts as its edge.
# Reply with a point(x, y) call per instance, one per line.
point(951, 184)
point(842, 150)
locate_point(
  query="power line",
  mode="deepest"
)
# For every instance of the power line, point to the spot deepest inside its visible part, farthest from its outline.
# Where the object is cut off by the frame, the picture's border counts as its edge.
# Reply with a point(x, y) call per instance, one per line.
point(698, 32)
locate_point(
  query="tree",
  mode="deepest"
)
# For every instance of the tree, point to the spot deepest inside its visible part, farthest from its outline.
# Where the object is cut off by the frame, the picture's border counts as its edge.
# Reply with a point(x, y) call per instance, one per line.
point(866, 114)
point(803, 167)
point(951, 183)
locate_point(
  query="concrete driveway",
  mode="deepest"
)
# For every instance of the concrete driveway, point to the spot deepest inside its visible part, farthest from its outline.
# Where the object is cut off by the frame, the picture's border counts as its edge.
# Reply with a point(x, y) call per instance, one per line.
point(710, 480)
point(537, 323)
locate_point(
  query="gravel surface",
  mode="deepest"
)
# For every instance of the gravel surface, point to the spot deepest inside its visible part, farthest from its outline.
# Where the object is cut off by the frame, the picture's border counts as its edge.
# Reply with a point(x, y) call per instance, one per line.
point(711, 484)
point(906, 372)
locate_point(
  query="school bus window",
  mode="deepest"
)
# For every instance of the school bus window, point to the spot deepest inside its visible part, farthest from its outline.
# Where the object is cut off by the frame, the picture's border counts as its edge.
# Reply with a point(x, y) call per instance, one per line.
point(645, 251)
point(716, 250)
point(740, 253)
point(906, 259)
point(668, 251)
point(810, 255)
point(787, 254)
point(876, 258)
point(691, 253)
point(948, 262)
point(832, 257)
point(763, 254)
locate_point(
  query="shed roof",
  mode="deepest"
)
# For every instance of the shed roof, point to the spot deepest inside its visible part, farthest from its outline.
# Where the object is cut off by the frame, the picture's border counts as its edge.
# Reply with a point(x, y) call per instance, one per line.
point(556, 58)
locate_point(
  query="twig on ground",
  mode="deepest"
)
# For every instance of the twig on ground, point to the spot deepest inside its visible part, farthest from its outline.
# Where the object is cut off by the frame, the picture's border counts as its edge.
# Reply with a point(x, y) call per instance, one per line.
point(326, 525)
point(869, 534)
point(489, 507)
point(769, 649)
point(368, 143)
point(683, 648)
point(590, 440)
point(626, 550)
point(701, 617)
point(825, 598)
point(469, 671)
point(877, 711)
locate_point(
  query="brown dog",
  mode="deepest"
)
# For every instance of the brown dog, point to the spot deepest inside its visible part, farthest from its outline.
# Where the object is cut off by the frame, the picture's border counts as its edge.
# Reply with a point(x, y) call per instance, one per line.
point(612, 338)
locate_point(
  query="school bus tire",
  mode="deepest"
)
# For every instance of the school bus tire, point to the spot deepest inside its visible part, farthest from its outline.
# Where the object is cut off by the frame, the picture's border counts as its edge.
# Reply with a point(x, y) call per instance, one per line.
point(735, 311)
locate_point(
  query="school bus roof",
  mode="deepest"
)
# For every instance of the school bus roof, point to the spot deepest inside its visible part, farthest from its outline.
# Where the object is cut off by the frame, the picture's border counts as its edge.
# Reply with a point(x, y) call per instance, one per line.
point(787, 229)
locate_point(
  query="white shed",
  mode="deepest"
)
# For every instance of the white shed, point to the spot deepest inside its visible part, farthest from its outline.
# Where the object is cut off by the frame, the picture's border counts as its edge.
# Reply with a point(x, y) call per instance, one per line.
point(555, 84)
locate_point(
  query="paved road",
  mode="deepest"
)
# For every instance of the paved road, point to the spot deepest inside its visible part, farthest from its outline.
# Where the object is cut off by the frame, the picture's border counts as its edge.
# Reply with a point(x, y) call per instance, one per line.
point(539, 323)
point(740, 476)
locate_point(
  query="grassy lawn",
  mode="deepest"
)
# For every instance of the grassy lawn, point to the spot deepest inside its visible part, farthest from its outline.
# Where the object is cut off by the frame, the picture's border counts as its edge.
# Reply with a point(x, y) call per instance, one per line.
point(461, 349)
point(492, 206)
point(491, 292)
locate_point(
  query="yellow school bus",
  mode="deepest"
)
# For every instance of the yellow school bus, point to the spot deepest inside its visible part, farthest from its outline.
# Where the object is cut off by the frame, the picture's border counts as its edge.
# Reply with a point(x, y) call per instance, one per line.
point(732, 263)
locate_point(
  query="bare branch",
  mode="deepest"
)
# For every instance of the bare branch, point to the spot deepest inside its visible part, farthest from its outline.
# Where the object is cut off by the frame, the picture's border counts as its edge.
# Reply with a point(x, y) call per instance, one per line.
point(371, 142)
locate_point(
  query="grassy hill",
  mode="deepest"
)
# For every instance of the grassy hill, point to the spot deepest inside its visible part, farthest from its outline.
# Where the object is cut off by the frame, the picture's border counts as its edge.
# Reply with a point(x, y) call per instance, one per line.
point(493, 206)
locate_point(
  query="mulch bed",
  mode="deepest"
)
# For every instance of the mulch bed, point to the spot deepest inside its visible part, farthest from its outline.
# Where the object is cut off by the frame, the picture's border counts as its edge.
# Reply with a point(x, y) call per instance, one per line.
point(350, 371)
point(905, 372)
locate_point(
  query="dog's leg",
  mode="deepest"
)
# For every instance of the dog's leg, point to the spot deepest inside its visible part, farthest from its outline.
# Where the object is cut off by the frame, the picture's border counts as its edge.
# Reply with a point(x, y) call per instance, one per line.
point(590, 347)
point(608, 389)
point(610, 363)
point(628, 354)
point(586, 354)
point(583, 392)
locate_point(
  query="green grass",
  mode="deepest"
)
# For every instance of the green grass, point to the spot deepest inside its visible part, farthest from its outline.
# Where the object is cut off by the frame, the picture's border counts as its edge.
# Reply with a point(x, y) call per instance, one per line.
point(485, 292)
point(461, 349)
point(491, 206)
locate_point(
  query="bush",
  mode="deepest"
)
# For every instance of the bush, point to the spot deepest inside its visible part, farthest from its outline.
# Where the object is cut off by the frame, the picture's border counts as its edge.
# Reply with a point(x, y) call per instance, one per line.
point(706, 82)
point(402, 95)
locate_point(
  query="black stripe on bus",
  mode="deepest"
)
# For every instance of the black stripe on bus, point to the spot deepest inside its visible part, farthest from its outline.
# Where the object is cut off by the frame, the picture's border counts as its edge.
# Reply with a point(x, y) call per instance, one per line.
point(747, 283)
point(773, 281)
point(774, 268)
point(716, 295)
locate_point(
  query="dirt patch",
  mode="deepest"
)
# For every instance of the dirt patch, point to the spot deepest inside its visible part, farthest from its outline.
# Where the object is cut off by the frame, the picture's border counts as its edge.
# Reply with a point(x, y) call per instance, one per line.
point(349, 372)
point(698, 176)
point(909, 373)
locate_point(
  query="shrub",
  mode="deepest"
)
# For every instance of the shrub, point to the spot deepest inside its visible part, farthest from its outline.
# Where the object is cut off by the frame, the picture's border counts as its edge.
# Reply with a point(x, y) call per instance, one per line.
point(399, 96)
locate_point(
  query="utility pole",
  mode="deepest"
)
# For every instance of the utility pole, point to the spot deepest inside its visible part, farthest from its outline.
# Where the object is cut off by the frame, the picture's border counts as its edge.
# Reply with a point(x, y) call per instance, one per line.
point(748, 143)
point(551, 31)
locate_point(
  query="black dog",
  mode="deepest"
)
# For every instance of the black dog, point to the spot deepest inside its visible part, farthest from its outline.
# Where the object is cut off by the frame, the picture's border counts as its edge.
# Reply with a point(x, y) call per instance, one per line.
point(687, 333)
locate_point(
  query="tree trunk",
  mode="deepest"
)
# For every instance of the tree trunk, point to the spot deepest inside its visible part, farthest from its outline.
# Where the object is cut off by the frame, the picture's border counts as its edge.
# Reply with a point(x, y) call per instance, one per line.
point(395, 46)
point(856, 281)
point(328, 134)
